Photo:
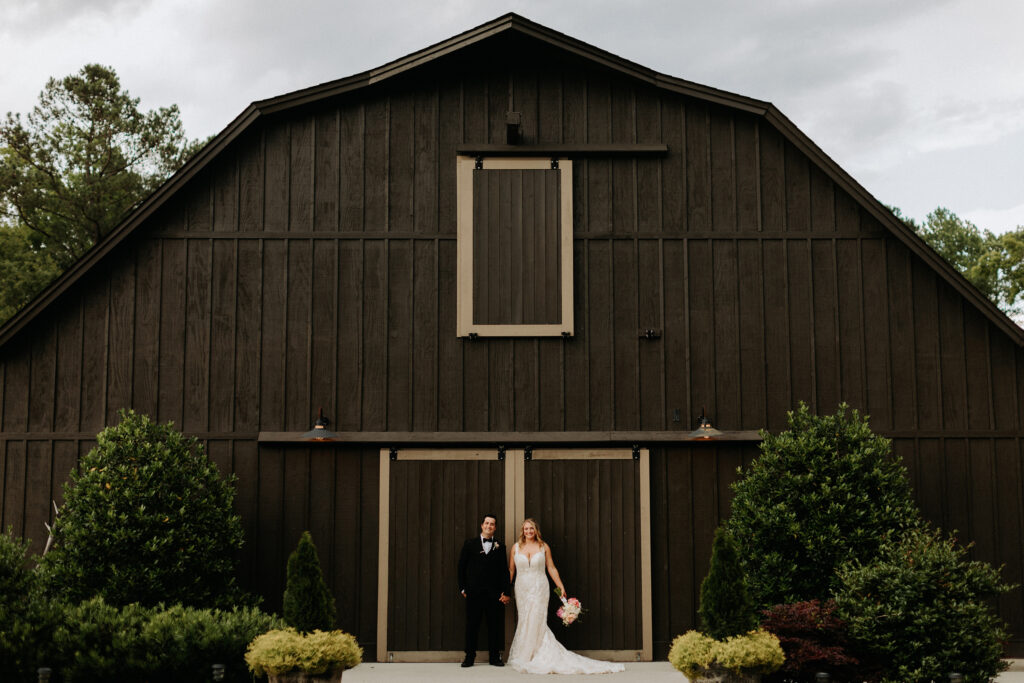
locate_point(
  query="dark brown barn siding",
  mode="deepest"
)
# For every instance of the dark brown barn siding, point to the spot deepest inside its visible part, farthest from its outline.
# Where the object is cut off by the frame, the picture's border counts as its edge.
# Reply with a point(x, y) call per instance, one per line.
point(314, 266)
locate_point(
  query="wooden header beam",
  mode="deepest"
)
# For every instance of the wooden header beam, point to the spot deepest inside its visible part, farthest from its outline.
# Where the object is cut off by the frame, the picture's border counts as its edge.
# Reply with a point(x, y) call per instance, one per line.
point(510, 438)
point(572, 150)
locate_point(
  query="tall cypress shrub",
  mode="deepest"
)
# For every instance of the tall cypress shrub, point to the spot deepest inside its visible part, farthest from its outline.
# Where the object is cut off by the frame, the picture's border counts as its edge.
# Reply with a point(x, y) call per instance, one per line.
point(725, 606)
point(308, 605)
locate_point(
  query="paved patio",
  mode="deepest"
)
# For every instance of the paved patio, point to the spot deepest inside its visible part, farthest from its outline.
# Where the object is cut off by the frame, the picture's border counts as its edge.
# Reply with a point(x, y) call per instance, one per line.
point(646, 672)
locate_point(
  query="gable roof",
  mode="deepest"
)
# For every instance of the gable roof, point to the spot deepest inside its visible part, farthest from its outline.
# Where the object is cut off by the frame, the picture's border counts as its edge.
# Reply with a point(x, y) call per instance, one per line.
point(506, 24)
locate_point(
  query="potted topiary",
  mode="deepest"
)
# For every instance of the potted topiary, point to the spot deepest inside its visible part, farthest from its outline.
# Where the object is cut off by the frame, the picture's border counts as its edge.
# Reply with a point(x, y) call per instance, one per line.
point(287, 656)
point(732, 649)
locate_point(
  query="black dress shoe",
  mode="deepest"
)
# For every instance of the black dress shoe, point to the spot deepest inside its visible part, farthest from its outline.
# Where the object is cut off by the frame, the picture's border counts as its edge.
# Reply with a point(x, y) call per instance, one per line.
point(467, 662)
point(497, 662)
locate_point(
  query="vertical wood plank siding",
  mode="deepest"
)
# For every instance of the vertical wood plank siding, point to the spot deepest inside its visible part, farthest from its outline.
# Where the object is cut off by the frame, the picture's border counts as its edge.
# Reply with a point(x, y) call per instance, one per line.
point(516, 261)
point(313, 266)
point(589, 512)
point(435, 505)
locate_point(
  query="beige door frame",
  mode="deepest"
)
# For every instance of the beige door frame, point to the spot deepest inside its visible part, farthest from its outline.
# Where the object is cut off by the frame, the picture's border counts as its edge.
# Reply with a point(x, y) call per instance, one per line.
point(515, 504)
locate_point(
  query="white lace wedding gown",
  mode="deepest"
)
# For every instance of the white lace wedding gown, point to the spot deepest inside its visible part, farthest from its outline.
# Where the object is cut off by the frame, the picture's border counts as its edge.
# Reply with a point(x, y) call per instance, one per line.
point(534, 647)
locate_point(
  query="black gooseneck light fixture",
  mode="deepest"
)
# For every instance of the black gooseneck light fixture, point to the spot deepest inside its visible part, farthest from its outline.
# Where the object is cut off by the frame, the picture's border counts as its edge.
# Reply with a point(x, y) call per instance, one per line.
point(704, 430)
point(319, 432)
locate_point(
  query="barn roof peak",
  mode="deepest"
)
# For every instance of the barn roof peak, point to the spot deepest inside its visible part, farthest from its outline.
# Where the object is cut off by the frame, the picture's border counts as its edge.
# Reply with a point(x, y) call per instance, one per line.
point(504, 24)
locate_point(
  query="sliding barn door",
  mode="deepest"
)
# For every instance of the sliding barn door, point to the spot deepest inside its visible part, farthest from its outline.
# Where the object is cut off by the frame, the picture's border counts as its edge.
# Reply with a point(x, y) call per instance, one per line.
point(431, 502)
point(593, 509)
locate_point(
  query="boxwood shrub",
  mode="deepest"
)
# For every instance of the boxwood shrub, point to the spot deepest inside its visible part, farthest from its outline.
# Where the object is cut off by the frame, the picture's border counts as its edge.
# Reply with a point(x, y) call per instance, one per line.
point(97, 642)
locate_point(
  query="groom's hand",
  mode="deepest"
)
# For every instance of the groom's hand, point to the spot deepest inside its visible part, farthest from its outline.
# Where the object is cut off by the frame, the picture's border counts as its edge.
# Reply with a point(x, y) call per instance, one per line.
point(505, 599)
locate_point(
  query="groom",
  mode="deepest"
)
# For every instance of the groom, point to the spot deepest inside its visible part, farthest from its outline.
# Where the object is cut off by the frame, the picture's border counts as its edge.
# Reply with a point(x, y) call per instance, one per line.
point(483, 581)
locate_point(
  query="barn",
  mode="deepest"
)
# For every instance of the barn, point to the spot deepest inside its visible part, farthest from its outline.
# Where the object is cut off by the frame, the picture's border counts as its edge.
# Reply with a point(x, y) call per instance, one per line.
point(511, 270)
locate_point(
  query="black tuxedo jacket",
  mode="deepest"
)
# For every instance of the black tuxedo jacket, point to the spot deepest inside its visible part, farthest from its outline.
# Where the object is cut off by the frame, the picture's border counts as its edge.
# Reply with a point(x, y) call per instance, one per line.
point(483, 574)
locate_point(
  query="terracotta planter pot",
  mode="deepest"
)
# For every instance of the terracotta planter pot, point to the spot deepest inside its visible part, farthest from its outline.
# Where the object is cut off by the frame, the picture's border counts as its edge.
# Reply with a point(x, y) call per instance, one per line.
point(301, 677)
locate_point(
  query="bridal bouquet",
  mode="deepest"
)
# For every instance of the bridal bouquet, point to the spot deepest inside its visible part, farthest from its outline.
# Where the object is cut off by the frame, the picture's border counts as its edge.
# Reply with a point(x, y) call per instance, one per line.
point(570, 610)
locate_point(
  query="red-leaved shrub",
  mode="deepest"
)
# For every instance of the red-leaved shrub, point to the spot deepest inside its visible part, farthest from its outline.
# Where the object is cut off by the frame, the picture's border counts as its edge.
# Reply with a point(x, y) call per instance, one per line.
point(814, 640)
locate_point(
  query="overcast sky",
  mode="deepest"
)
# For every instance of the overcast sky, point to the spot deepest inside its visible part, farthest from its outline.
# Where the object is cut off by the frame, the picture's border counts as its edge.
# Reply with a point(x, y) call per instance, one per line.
point(922, 101)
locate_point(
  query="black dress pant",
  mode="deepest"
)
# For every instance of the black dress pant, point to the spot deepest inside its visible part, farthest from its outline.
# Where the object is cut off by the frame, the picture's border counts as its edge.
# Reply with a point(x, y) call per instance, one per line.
point(485, 608)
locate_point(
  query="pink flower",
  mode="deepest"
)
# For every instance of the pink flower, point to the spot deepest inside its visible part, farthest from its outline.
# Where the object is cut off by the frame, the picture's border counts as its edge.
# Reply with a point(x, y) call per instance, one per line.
point(574, 602)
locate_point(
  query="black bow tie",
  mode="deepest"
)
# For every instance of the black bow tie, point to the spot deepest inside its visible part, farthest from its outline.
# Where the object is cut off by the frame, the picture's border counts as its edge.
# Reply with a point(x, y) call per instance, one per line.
point(488, 540)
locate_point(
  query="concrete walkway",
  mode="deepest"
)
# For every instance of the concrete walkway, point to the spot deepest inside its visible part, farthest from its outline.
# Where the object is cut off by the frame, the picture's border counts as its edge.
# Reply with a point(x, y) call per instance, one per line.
point(646, 672)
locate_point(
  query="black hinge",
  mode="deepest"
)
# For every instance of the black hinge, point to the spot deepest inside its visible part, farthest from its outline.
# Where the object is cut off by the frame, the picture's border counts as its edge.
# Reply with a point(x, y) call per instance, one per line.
point(554, 164)
point(393, 452)
point(479, 163)
point(501, 452)
point(650, 334)
point(528, 453)
point(636, 451)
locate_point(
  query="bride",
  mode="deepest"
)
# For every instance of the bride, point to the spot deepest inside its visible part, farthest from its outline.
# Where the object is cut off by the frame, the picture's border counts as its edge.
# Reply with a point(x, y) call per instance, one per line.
point(534, 647)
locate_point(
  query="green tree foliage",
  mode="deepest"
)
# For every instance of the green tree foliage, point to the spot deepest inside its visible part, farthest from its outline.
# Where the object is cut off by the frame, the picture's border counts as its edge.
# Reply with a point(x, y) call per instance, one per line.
point(25, 269)
point(308, 604)
point(992, 263)
point(71, 169)
point(27, 618)
point(920, 609)
point(725, 606)
point(824, 492)
point(148, 519)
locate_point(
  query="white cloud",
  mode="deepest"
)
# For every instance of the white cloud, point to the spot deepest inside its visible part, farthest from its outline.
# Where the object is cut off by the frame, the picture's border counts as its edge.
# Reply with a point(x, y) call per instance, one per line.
point(922, 99)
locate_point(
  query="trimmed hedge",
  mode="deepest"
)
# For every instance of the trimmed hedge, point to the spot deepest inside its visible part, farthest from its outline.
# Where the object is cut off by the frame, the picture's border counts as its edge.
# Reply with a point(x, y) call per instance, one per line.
point(97, 642)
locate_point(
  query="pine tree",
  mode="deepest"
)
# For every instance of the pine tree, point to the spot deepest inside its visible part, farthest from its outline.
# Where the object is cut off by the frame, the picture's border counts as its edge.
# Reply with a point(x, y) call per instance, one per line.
point(308, 604)
point(725, 605)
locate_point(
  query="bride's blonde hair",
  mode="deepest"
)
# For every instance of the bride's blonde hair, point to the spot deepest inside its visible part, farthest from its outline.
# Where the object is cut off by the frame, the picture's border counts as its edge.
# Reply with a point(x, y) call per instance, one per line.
point(536, 528)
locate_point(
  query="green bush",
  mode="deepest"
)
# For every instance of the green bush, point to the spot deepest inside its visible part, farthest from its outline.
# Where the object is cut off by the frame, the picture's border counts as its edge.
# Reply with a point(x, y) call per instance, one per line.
point(27, 618)
point(725, 606)
point(288, 651)
point(920, 610)
point(308, 605)
point(820, 494)
point(147, 519)
point(98, 642)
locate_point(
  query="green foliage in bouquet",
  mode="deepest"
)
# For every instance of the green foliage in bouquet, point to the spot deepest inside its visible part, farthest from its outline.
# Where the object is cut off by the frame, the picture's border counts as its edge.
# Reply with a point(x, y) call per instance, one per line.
point(697, 655)
point(822, 493)
point(27, 618)
point(147, 518)
point(288, 651)
point(920, 609)
point(725, 606)
point(308, 604)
